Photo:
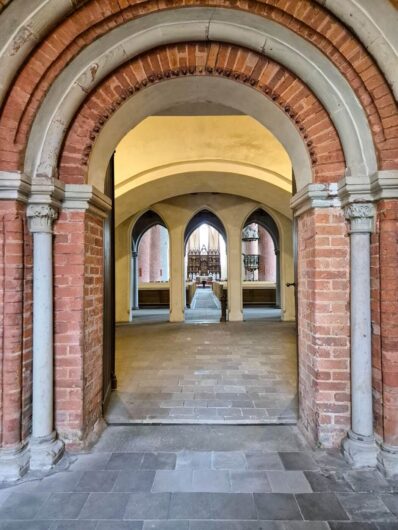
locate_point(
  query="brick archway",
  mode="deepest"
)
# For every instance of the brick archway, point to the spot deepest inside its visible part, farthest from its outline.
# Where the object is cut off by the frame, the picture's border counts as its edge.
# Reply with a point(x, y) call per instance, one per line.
point(318, 134)
point(216, 59)
point(323, 246)
point(309, 20)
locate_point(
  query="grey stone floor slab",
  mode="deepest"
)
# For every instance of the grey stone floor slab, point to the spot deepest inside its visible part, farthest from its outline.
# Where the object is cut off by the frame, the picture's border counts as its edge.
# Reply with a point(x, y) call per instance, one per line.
point(288, 482)
point(147, 506)
point(202, 477)
point(277, 506)
point(104, 506)
point(321, 507)
point(298, 461)
point(249, 482)
point(365, 507)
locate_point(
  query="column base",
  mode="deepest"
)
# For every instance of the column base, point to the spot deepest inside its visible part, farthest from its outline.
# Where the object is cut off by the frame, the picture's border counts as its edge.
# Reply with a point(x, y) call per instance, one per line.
point(14, 462)
point(235, 316)
point(360, 451)
point(45, 451)
point(176, 316)
point(387, 460)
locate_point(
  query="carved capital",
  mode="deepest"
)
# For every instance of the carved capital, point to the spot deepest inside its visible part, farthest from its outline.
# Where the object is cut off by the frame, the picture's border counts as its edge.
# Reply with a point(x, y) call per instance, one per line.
point(361, 216)
point(41, 217)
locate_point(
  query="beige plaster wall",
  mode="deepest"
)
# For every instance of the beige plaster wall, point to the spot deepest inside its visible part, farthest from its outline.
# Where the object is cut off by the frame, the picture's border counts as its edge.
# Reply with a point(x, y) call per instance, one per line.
point(176, 212)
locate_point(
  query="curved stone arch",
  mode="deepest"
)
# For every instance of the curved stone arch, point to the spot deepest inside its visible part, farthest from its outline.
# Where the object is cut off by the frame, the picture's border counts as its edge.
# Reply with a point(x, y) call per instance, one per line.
point(212, 220)
point(365, 18)
point(157, 220)
point(275, 237)
point(203, 208)
point(275, 234)
point(157, 190)
point(243, 29)
point(336, 44)
point(188, 89)
point(22, 27)
point(205, 164)
point(375, 24)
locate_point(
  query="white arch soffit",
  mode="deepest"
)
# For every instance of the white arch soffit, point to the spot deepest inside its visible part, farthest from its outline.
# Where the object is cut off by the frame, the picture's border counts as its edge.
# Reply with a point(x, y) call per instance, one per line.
point(203, 165)
point(375, 22)
point(145, 195)
point(185, 90)
point(23, 25)
point(201, 24)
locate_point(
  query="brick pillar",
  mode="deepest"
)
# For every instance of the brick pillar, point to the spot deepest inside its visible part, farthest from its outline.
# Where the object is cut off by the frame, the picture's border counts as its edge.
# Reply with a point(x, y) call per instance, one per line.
point(267, 268)
point(155, 261)
point(78, 316)
point(323, 325)
point(385, 331)
point(144, 258)
point(16, 339)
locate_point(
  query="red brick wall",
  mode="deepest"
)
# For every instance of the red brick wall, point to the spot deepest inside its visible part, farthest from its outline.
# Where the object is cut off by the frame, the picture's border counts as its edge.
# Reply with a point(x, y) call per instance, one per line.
point(385, 320)
point(323, 319)
point(15, 324)
point(93, 321)
point(78, 324)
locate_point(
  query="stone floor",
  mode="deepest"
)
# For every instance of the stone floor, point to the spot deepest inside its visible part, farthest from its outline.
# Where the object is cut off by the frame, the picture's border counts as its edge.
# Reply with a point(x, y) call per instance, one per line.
point(202, 477)
point(235, 372)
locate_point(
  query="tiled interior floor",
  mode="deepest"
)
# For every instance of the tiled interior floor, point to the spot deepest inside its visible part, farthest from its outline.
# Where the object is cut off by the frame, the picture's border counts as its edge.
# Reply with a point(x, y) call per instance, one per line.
point(202, 477)
point(207, 310)
point(205, 307)
point(242, 372)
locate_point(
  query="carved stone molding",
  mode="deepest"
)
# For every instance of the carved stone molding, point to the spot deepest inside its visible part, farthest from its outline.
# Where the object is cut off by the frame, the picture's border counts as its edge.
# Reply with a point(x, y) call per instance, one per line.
point(361, 216)
point(41, 217)
point(85, 197)
point(315, 196)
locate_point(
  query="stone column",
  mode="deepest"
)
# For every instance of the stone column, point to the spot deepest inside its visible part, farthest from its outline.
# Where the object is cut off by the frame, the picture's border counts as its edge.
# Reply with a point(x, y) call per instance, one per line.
point(359, 448)
point(134, 279)
point(164, 254)
point(278, 277)
point(234, 251)
point(45, 448)
point(177, 279)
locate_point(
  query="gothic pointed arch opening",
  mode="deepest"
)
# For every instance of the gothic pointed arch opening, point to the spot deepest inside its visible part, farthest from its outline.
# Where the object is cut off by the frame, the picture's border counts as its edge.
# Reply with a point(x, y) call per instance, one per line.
point(205, 267)
point(149, 280)
point(261, 267)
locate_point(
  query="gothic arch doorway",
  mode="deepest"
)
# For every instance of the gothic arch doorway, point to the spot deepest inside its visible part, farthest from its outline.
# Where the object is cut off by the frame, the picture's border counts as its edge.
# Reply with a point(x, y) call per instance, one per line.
point(205, 256)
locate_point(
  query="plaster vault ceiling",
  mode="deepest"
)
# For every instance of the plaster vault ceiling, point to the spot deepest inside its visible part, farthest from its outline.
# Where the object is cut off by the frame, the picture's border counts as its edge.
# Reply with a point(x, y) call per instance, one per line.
point(167, 156)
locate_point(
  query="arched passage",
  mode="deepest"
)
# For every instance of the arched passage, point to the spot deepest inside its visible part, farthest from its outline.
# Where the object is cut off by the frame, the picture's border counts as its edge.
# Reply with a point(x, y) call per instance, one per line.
point(149, 263)
point(340, 88)
point(261, 253)
point(205, 268)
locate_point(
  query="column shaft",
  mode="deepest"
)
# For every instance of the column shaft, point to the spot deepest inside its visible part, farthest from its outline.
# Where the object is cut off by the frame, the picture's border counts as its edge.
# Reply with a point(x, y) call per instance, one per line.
point(42, 419)
point(177, 280)
point(134, 279)
point(234, 251)
point(361, 365)
point(45, 449)
point(359, 447)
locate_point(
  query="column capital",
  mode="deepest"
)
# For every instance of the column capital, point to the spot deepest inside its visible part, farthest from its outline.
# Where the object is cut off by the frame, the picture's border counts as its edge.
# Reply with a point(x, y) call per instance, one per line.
point(41, 217)
point(361, 216)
